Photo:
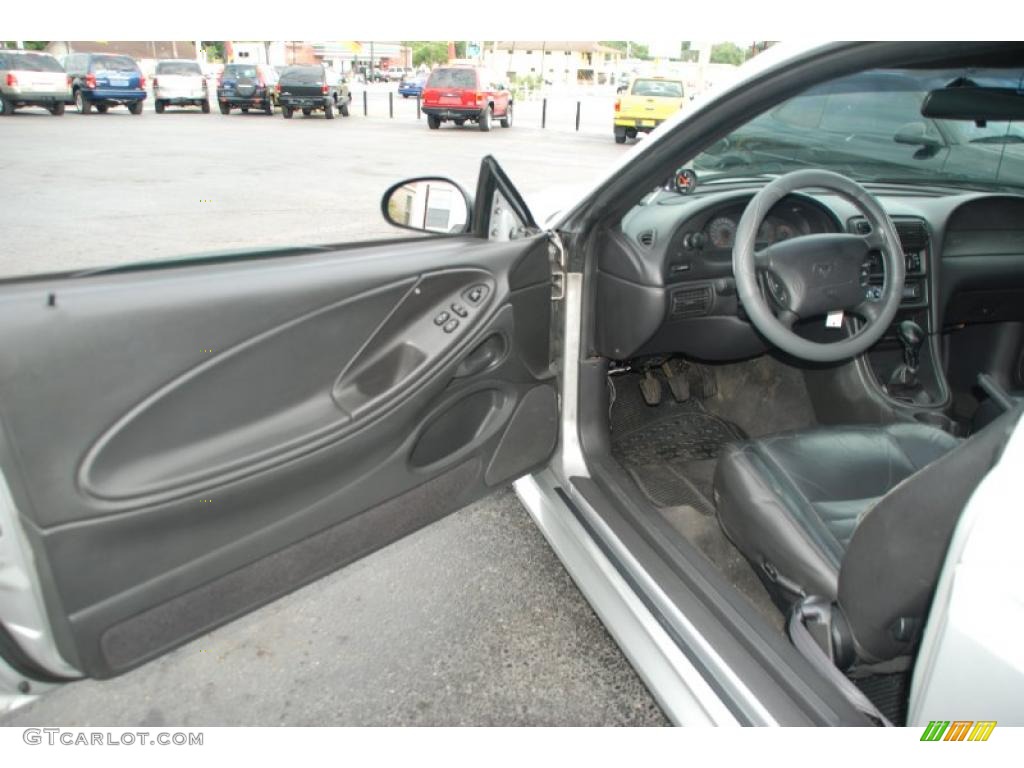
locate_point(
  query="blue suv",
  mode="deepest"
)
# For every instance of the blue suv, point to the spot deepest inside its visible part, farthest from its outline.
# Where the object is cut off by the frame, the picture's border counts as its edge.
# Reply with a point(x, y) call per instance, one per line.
point(104, 80)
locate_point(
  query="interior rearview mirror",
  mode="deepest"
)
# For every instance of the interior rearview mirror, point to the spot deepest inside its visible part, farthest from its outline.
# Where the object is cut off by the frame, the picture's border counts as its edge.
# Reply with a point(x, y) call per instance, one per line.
point(434, 205)
point(969, 102)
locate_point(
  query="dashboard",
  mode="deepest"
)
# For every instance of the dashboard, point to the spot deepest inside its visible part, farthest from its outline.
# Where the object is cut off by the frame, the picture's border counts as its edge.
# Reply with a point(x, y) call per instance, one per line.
point(665, 282)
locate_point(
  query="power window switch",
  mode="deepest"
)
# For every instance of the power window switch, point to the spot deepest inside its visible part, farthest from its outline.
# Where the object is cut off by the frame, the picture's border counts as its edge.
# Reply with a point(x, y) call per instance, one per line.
point(441, 318)
point(451, 325)
point(459, 310)
point(475, 294)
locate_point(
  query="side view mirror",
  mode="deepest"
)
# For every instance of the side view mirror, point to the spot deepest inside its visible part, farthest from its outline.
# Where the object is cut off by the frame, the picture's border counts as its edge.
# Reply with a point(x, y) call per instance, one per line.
point(428, 204)
point(915, 134)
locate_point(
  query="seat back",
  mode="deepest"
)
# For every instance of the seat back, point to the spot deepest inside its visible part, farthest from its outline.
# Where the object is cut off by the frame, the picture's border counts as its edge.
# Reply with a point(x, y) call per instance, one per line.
point(891, 566)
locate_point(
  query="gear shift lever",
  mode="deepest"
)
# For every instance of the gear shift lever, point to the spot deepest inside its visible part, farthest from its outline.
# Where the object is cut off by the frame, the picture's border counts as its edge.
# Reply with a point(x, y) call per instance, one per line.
point(904, 378)
point(911, 337)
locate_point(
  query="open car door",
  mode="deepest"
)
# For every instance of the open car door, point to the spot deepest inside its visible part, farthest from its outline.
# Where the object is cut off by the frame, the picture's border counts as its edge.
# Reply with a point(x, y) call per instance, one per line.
point(182, 442)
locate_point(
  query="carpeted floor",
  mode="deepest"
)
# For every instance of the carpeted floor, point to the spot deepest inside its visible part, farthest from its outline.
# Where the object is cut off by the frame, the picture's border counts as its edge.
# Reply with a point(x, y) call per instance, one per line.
point(670, 451)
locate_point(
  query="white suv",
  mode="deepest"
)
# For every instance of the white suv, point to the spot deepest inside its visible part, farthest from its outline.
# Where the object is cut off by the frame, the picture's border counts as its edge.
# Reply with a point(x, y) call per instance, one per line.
point(32, 79)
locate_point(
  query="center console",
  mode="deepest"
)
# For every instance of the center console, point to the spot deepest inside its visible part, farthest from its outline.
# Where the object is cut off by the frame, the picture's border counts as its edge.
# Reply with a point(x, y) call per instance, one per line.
point(901, 374)
point(905, 362)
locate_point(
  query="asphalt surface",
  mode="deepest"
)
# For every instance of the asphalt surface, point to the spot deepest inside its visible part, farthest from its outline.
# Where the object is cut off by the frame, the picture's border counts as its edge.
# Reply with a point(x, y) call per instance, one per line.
point(470, 621)
point(92, 190)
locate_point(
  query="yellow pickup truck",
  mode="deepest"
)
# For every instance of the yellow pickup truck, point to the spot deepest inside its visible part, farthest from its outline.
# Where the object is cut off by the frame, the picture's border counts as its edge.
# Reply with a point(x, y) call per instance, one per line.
point(647, 103)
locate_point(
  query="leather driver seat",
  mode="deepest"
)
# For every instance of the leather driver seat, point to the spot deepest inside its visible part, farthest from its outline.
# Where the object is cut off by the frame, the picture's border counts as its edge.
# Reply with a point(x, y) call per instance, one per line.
point(860, 516)
point(790, 502)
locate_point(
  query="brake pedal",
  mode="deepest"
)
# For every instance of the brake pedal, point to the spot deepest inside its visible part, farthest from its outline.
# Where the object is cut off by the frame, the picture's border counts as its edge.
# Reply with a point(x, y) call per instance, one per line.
point(650, 388)
point(678, 383)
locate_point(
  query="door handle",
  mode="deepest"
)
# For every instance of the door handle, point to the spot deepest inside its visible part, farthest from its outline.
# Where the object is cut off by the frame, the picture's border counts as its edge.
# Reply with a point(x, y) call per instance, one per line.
point(484, 356)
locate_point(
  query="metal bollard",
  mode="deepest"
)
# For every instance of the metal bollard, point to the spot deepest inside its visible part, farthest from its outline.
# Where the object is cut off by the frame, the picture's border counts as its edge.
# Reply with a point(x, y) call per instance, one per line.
point(391, 104)
point(417, 106)
point(544, 113)
point(364, 104)
point(577, 116)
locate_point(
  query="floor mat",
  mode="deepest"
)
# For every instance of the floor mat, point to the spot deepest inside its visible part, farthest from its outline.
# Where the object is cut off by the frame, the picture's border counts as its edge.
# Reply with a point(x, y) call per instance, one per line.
point(670, 450)
point(668, 431)
point(665, 486)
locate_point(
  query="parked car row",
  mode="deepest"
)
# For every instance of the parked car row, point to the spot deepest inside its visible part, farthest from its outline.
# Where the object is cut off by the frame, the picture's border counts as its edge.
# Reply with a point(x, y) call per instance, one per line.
point(99, 81)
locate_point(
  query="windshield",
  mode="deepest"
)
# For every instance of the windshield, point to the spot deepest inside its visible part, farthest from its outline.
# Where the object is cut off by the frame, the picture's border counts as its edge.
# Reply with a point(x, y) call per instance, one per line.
point(869, 127)
point(178, 68)
point(31, 62)
point(112, 64)
point(667, 88)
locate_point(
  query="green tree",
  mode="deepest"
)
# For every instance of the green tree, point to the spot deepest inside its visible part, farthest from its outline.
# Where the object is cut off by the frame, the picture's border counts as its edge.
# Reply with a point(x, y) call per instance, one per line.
point(30, 45)
point(214, 49)
point(636, 50)
point(727, 53)
point(430, 52)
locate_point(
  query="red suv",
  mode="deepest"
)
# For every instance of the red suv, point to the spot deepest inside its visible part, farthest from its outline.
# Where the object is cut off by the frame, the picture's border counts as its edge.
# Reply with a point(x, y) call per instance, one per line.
point(461, 93)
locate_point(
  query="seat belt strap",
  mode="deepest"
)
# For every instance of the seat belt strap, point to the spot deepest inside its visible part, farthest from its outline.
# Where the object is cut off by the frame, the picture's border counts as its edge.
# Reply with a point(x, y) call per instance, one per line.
point(815, 654)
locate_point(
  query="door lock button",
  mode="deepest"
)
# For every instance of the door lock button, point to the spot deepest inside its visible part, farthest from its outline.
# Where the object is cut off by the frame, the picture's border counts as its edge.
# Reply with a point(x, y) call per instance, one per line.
point(451, 325)
point(441, 318)
point(459, 310)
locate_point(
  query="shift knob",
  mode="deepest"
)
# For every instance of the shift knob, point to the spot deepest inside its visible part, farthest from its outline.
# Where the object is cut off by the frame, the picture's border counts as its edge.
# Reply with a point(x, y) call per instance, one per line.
point(911, 337)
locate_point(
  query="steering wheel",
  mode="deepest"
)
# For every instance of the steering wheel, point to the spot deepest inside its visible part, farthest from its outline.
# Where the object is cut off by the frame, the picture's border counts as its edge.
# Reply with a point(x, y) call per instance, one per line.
point(819, 274)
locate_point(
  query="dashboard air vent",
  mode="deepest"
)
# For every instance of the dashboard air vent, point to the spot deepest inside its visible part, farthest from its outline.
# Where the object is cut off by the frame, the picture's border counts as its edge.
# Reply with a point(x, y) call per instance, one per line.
point(913, 235)
point(646, 238)
point(691, 302)
point(912, 232)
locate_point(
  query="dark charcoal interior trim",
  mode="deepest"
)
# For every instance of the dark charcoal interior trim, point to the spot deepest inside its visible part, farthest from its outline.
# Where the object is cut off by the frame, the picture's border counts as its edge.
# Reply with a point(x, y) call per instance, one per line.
point(171, 623)
point(126, 578)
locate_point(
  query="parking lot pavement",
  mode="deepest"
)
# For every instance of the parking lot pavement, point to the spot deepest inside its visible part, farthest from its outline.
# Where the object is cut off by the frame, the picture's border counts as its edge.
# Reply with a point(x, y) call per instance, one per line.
point(93, 190)
point(470, 621)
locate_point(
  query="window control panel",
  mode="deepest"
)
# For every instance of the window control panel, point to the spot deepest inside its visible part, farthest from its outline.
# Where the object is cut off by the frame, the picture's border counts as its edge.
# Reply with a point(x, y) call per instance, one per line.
point(460, 307)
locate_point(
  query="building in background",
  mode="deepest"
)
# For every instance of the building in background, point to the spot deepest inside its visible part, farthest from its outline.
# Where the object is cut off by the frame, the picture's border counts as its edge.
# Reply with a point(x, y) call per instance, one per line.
point(146, 52)
point(339, 55)
point(362, 56)
point(556, 62)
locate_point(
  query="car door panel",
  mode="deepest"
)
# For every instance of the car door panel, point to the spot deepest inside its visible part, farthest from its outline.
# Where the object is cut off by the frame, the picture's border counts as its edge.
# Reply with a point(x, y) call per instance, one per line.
point(184, 444)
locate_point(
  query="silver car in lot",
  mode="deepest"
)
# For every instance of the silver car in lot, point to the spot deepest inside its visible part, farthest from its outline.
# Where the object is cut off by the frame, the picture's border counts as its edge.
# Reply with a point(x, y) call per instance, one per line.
point(32, 79)
point(180, 83)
